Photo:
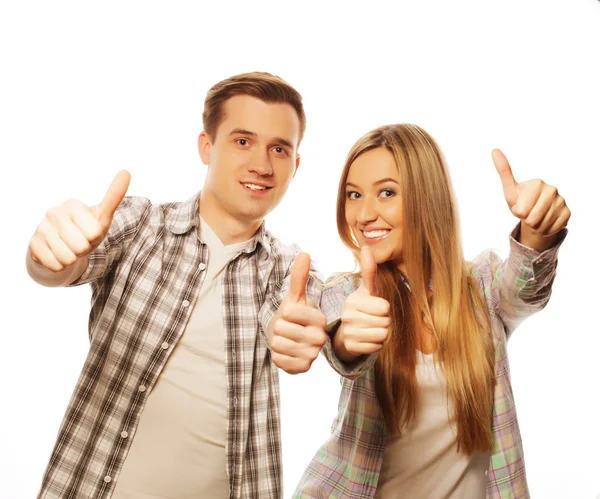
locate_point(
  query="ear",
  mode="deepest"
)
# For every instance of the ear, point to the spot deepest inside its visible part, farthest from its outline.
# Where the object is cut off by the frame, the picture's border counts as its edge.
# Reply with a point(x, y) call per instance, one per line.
point(297, 165)
point(204, 145)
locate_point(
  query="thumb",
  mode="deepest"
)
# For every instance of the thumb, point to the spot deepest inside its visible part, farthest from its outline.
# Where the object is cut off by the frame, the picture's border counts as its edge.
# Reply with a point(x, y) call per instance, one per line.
point(113, 197)
point(509, 184)
point(368, 269)
point(299, 277)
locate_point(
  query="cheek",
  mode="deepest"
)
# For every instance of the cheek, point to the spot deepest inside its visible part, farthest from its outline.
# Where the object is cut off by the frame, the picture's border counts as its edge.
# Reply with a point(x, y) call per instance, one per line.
point(393, 215)
point(350, 215)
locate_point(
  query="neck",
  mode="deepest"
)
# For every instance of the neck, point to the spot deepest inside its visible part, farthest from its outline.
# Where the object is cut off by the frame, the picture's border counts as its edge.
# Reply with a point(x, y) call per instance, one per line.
point(229, 229)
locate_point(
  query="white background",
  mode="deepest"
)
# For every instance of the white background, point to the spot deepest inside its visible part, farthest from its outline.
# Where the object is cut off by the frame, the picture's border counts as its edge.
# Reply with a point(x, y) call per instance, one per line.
point(88, 88)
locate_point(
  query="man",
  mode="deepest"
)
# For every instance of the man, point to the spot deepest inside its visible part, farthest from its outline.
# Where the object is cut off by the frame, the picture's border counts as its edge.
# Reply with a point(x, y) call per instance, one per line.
point(178, 396)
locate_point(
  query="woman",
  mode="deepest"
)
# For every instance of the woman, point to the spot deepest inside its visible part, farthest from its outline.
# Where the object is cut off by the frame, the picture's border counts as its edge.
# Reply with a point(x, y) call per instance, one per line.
point(426, 409)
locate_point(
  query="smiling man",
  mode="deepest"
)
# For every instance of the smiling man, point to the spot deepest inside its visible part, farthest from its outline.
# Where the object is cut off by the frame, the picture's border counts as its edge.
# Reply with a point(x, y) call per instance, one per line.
point(179, 396)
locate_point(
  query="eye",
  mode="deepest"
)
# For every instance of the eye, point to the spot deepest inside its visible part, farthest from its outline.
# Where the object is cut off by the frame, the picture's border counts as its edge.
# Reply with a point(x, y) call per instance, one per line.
point(352, 195)
point(387, 193)
point(242, 142)
point(280, 150)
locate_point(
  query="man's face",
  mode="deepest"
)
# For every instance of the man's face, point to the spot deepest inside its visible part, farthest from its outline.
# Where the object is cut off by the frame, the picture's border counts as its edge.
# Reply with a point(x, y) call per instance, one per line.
point(252, 158)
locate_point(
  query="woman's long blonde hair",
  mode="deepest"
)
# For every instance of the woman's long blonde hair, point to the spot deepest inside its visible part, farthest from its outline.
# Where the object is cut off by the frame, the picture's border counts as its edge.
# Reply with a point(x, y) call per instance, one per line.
point(458, 315)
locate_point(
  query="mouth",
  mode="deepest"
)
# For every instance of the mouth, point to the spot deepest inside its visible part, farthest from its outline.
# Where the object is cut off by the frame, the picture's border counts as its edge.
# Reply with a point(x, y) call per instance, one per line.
point(376, 235)
point(257, 189)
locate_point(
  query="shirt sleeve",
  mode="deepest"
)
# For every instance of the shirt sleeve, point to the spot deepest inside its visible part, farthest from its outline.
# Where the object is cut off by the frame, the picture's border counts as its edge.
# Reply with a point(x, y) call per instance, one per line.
point(520, 285)
point(336, 290)
point(124, 227)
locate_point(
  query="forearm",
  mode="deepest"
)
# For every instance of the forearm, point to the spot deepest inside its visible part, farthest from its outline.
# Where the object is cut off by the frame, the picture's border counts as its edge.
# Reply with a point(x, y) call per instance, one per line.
point(49, 278)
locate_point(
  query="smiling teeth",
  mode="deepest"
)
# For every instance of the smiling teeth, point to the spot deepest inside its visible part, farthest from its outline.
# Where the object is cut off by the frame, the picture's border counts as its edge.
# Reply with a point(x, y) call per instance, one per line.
point(375, 233)
point(255, 187)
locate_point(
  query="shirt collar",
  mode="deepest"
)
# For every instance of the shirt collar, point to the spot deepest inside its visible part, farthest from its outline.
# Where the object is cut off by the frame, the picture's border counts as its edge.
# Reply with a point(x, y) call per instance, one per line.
point(185, 217)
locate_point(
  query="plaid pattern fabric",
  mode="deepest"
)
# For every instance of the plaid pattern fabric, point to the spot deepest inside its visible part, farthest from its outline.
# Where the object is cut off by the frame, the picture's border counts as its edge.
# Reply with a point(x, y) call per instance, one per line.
point(348, 464)
point(145, 277)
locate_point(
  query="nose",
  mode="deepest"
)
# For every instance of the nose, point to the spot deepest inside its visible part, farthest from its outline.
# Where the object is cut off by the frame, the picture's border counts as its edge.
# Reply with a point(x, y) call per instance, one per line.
point(261, 164)
point(366, 211)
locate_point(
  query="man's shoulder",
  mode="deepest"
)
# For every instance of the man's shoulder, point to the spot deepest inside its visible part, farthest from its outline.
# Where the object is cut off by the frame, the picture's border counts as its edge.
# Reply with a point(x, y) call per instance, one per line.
point(279, 249)
point(179, 215)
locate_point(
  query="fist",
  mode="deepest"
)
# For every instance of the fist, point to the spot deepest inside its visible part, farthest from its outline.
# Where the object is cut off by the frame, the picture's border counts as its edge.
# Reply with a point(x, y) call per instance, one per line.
point(73, 229)
point(541, 209)
point(299, 327)
point(366, 318)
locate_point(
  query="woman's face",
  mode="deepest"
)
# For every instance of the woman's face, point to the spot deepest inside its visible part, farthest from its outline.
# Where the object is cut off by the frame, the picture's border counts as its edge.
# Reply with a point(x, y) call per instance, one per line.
point(374, 209)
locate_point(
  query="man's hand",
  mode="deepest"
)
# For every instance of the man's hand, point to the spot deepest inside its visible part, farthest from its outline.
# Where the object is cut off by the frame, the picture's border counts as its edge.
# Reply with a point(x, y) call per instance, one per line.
point(73, 229)
point(298, 331)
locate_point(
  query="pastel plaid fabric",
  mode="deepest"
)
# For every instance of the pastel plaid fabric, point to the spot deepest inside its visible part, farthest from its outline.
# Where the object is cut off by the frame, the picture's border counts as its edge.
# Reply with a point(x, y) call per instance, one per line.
point(349, 463)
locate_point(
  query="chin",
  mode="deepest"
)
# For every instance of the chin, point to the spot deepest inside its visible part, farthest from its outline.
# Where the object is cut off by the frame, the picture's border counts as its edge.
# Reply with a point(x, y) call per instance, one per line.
point(381, 255)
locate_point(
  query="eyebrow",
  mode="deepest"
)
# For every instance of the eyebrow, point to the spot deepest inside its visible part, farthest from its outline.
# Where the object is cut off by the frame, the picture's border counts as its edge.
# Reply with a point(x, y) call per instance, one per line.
point(276, 140)
point(382, 181)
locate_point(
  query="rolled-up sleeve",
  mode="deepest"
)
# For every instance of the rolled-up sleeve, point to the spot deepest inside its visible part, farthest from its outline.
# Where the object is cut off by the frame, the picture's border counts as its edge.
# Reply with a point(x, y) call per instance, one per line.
point(520, 285)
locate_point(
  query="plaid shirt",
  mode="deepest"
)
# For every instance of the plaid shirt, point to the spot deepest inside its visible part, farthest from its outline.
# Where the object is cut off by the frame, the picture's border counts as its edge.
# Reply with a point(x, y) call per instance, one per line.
point(145, 277)
point(349, 463)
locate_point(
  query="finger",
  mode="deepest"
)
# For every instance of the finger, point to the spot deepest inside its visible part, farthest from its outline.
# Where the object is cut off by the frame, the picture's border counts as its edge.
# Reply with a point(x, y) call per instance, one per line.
point(58, 248)
point(356, 348)
point(560, 223)
point(543, 207)
point(73, 237)
point(368, 270)
point(299, 277)
point(529, 193)
point(553, 212)
point(41, 254)
point(290, 365)
point(113, 197)
point(374, 306)
point(300, 334)
point(367, 334)
point(304, 315)
point(509, 184)
point(83, 217)
point(285, 346)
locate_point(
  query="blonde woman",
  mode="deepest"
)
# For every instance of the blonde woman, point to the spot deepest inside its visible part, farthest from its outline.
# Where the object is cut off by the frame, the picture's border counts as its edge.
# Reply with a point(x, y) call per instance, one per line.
point(420, 337)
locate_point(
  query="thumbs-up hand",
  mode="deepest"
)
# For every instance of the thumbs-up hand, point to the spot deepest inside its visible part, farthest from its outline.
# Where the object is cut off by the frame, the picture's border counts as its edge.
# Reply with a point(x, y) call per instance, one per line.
point(73, 229)
point(298, 332)
point(542, 211)
point(366, 317)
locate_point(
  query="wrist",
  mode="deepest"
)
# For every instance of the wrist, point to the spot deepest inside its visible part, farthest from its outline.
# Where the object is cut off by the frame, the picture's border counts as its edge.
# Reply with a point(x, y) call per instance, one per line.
point(527, 237)
point(339, 348)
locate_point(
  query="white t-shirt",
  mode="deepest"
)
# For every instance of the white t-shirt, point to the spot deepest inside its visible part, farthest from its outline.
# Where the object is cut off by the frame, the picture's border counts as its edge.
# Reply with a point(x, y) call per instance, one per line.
point(423, 462)
point(178, 450)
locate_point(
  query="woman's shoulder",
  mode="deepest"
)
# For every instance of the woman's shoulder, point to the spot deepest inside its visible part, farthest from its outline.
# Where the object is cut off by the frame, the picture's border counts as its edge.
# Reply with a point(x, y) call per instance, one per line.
point(484, 265)
point(341, 283)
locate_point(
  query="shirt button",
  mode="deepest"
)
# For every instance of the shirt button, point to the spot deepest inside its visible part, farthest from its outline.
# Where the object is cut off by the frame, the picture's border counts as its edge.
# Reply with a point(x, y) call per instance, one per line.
point(233, 353)
point(142, 388)
point(185, 303)
point(234, 401)
point(202, 266)
point(107, 479)
point(124, 434)
point(164, 346)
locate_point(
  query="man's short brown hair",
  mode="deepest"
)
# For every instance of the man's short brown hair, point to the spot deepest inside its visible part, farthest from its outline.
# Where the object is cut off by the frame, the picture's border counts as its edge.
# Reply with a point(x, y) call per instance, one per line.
point(263, 86)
